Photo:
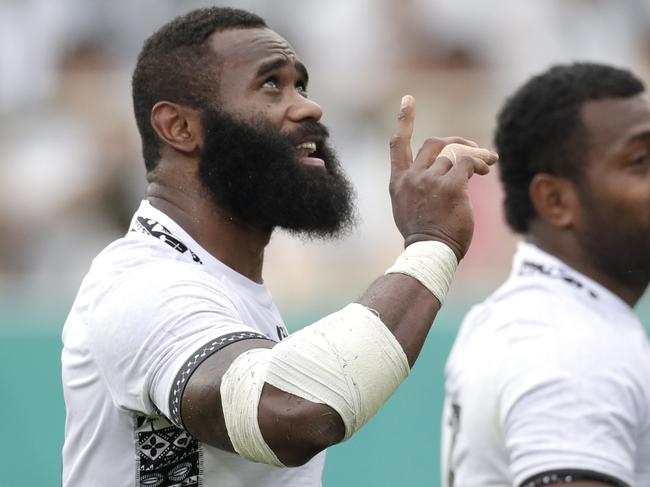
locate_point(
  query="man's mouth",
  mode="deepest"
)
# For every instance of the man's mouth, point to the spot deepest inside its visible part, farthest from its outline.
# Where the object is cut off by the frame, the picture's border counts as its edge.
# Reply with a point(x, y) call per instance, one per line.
point(305, 151)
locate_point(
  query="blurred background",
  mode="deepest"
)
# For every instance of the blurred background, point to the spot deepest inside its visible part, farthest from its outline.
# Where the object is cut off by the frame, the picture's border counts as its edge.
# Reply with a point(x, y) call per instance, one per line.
point(71, 175)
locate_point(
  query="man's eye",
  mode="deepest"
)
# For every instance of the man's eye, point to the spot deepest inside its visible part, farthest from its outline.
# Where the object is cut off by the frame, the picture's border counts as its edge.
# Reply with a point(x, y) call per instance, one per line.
point(271, 83)
point(302, 89)
point(641, 159)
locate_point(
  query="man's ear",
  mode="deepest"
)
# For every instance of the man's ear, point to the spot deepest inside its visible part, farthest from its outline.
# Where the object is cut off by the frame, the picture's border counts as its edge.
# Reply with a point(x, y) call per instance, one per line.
point(555, 199)
point(178, 126)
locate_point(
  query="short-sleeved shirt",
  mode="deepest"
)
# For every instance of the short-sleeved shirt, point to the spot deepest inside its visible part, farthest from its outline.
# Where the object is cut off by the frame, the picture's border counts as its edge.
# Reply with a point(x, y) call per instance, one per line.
point(548, 381)
point(152, 307)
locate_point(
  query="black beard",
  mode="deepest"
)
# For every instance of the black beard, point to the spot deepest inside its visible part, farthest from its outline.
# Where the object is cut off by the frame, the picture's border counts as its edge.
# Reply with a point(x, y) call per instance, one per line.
point(253, 173)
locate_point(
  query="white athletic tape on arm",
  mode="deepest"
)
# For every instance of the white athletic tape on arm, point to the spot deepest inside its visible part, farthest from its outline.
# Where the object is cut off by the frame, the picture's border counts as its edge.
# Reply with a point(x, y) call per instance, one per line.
point(241, 388)
point(451, 150)
point(348, 360)
point(430, 262)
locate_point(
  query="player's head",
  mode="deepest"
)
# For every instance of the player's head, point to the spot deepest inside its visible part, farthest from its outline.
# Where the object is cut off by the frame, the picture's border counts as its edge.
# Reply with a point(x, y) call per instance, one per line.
point(178, 64)
point(574, 149)
point(219, 88)
point(540, 129)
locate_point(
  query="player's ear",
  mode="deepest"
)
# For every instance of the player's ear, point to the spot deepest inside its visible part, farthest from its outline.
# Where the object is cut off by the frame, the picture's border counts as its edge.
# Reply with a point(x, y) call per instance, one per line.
point(177, 126)
point(555, 199)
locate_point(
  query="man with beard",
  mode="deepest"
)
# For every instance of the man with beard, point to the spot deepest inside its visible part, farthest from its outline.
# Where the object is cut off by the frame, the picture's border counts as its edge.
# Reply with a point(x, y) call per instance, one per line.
point(548, 382)
point(175, 370)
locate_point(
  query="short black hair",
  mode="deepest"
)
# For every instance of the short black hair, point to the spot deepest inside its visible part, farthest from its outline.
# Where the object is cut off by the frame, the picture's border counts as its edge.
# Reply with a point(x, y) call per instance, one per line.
point(174, 65)
point(540, 130)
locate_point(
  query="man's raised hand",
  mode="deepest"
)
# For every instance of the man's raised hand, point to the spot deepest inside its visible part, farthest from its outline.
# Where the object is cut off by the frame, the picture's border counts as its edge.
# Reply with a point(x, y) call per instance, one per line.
point(429, 194)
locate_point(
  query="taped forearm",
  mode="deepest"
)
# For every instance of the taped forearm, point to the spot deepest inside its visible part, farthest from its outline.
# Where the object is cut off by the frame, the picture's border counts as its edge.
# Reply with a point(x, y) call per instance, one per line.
point(348, 360)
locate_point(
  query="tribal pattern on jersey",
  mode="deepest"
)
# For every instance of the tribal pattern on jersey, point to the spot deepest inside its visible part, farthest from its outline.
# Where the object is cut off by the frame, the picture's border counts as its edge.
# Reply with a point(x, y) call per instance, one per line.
point(156, 230)
point(167, 456)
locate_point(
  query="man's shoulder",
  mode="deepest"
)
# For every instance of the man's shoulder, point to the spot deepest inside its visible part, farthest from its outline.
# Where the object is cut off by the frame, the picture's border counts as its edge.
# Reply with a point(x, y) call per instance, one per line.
point(140, 263)
point(142, 253)
point(532, 323)
point(521, 303)
point(531, 315)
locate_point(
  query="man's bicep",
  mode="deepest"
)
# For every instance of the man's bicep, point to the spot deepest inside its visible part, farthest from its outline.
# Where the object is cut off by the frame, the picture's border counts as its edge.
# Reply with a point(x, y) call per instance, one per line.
point(286, 421)
point(200, 407)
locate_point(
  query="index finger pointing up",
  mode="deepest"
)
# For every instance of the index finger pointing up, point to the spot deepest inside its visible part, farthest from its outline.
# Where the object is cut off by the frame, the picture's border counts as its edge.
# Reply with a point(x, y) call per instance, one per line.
point(401, 156)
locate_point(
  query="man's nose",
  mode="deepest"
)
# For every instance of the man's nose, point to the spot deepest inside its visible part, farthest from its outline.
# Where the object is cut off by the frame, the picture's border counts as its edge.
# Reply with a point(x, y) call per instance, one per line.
point(303, 108)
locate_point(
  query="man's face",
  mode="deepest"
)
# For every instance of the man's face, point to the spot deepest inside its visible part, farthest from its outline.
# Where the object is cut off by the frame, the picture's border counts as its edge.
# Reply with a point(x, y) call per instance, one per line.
point(614, 227)
point(265, 157)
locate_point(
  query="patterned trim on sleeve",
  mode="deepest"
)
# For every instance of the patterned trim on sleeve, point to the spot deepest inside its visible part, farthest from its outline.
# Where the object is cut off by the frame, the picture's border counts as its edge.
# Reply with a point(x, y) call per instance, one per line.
point(569, 476)
point(197, 359)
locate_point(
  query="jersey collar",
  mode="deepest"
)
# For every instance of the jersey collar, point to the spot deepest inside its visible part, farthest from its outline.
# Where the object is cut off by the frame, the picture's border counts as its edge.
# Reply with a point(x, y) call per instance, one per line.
point(151, 221)
point(532, 262)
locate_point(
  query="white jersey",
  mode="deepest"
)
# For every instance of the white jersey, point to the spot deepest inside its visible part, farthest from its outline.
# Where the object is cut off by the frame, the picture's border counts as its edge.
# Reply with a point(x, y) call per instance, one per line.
point(548, 381)
point(152, 307)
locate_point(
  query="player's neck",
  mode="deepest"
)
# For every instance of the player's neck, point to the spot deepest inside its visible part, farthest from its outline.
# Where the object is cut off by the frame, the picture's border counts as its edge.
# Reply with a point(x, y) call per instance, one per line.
point(236, 244)
point(568, 251)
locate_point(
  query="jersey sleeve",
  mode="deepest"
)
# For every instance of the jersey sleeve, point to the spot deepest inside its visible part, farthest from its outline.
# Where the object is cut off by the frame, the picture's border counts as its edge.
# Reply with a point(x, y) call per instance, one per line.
point(568, 409)
point(151, 331)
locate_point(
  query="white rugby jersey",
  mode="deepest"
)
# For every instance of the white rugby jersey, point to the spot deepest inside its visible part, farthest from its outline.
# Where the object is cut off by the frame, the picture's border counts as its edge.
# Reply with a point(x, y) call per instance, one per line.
point(152, 307)
point(548, 381)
